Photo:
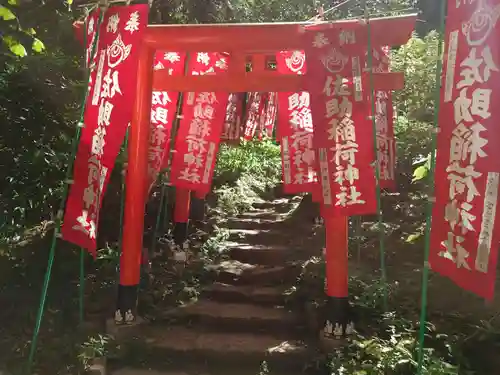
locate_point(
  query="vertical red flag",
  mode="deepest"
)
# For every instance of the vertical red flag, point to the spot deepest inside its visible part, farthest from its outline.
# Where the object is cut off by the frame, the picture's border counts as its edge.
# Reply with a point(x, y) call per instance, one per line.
point(254, 104)
point(234, 113)
point(343, 135)
point(163, 110)
point(465, 226)
point(384, 120)
point(107, 114)
point(296, 129)
point(270, 114)
point(262, 114)
point(199, 134)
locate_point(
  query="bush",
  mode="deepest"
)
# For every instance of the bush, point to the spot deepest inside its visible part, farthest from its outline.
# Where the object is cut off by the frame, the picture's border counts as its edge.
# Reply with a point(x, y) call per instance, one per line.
point(245, 173)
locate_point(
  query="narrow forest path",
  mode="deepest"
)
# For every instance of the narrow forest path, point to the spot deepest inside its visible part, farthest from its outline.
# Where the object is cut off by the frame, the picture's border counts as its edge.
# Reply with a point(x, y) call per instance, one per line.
point(240, 324)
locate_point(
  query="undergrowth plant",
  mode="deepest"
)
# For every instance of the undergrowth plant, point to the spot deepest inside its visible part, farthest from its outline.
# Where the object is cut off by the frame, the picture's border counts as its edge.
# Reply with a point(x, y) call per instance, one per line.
point(385, 343)
point(245, 174)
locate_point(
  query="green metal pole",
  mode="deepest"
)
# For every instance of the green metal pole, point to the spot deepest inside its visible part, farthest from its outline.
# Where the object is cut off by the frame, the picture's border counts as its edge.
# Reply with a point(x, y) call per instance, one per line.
point(81, 302)
point(428, 218)
point(60, 212)
point(122, 198)
point(377, 169)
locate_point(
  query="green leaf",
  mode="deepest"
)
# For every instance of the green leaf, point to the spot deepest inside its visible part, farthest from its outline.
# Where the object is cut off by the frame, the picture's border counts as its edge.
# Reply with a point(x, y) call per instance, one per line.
point(413, 237)
point(18, 50)
point(30, 31)
point(38, 45)
point(420, 173)
point(12, 2)
point(6, 14)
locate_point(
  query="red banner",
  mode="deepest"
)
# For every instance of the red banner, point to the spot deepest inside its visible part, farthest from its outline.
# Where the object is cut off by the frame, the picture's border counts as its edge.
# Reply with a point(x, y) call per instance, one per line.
point(234, 114)
point(163, 110)
point(199, 134)
point(264, 100)
point(384, 119)
point(107, 114)
point(343, 134)
point(295, 129)
point(465, 227)
point(254, 111)
point(270, 114)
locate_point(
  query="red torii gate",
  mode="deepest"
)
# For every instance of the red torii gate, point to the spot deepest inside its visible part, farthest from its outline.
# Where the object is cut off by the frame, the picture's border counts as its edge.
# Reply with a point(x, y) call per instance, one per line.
point(242, 42)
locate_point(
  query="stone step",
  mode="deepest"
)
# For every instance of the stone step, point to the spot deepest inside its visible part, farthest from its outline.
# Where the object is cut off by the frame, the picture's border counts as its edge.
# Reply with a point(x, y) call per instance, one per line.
point(233, 317)
point(195, 369)
point(260, 295)
point(159, 347)
point(238, 273)
point(251, 224)
point(258, 254)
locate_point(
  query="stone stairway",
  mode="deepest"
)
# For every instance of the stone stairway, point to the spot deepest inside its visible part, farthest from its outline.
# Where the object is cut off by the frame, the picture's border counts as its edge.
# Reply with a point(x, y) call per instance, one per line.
point(240, 324)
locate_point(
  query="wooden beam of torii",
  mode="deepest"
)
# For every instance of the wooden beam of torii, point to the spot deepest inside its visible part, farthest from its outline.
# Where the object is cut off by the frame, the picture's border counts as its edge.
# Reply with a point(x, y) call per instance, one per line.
point(244, 40)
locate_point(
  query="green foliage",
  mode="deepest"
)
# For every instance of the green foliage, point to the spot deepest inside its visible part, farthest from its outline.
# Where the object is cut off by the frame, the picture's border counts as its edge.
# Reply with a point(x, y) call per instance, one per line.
point(417, 59)
point(245, 173)
point(14, 36)
point(415, 104)
point(257, 157)
point(214, 246)
point(393, 352)
point(33, 144)
point(385, 343)
point(95, 347)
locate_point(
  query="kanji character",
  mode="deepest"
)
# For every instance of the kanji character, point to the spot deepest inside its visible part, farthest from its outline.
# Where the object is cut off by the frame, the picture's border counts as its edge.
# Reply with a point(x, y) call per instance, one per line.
point(461, 181)
point(199, 127)
point(155, 154)
point(206, 111)
point(158, 136)
point(89, 196)
point(350, 174)
point(301, 119)
point(293, 101)
point(93, 175)
point(160, 98)
point(345, 152)
point(481, 103)
point(454, 251)
point(98, 142)
point(172, 57)
point(303, 138)
point(133, 23)
point(462, 107)
point(191, 158)
point(195, 144)
point(206, 97)
point(459, 214)
point(159, 115)
point(345, 131)
point(203, 57)
point(471, 65)
point(465, 141)
point(190, 176)
point(348, 197)
point(320, 40)
point(340, 87)
point(111, 84)
point(304, 99)
point(105, 111)
point(347, 37)
point(113, 22)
